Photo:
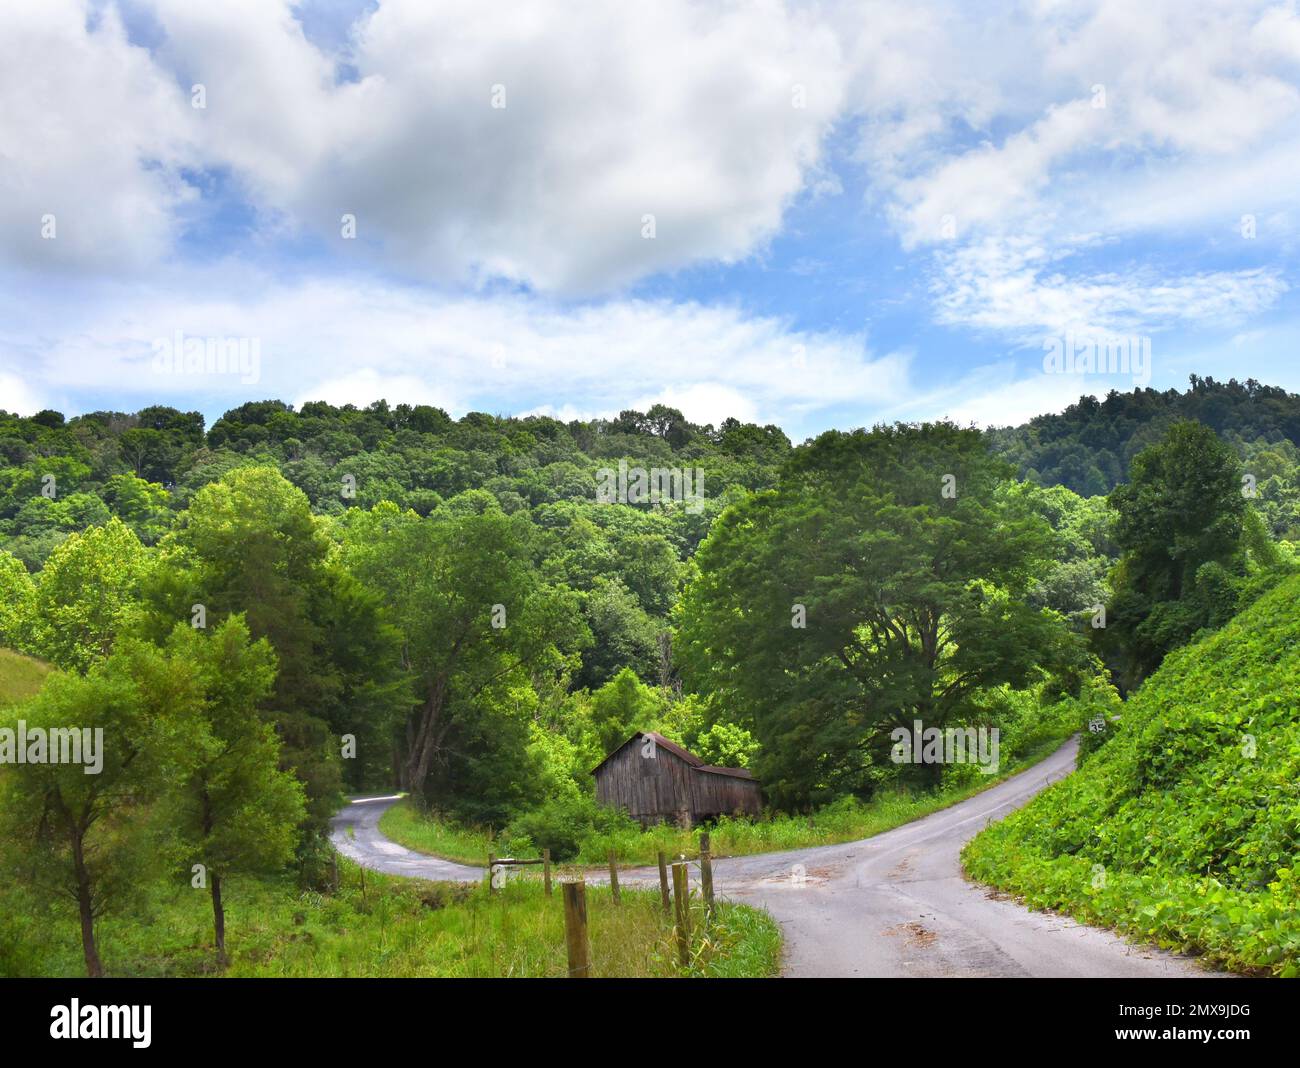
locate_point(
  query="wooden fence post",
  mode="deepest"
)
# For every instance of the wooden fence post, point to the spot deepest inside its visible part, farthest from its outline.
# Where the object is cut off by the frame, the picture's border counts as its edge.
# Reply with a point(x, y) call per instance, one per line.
point(546, 870)
point(575, 930)
point(491, 882)
point(706, 871)
point(663, 883)
point(682, 899)
point(613, 876)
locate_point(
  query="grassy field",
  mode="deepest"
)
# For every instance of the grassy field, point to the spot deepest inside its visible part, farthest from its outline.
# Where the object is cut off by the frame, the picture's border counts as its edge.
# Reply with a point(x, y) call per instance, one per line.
point(395, 927)
point(845, 821)
point(20, 676)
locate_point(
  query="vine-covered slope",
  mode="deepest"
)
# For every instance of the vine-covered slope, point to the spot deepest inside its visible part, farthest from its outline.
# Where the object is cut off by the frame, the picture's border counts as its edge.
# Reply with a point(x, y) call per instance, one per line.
point(1184, 826)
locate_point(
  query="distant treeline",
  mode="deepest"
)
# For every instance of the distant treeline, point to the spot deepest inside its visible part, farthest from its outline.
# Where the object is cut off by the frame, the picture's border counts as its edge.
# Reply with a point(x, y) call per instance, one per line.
point(59, 475)
point(1089, 446)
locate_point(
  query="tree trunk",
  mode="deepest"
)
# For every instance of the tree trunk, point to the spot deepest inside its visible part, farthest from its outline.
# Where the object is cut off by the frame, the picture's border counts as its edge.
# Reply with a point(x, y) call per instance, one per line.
point(94, 968)
point(219, 921)
point(420, 757)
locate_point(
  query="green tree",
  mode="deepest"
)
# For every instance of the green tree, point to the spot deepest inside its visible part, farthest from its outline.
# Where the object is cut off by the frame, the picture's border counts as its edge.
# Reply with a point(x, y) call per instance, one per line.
point(624, 635)
point(237, 812)
point(80, 830)
point(1181, 509)
point(17, 592)
point(883, 581)
point(726, 745)
point(249, 544)
point(623, 706)
point(142, 505)
point(477, 622)
point(85, 594)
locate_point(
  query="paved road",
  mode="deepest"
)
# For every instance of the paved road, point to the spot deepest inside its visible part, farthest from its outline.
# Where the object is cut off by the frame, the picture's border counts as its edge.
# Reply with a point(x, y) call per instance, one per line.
point(355, 833)
point(893, 905)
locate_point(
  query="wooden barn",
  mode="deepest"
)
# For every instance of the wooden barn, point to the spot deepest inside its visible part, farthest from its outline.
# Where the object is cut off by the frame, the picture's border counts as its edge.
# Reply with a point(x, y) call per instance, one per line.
point(654, 779)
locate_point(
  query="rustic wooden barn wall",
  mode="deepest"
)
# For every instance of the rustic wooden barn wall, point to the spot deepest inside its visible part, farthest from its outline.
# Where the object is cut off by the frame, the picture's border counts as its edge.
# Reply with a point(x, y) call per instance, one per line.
point(714, 794)
point(667, 787)
point(649, 788)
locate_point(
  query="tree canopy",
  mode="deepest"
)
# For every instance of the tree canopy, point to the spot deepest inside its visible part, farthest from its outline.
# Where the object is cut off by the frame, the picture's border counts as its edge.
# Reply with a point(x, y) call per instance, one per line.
point(884, 580)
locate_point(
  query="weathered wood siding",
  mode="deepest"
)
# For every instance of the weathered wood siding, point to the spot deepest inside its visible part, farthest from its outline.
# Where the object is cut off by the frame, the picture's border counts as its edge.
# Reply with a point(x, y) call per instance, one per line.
point(666, 787)
point(714, 794)
point(648, 788)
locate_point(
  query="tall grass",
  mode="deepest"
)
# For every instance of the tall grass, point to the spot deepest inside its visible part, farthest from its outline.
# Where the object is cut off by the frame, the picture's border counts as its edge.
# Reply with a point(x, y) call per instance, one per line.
point(395, 927)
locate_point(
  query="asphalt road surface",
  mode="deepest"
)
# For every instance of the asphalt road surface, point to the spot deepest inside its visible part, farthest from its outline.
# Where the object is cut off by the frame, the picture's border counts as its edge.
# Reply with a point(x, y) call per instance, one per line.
point(893, 905)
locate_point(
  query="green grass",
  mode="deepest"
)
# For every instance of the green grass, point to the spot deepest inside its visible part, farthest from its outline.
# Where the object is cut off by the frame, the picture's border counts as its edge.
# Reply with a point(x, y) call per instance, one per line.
point(844, 821)
point(437, 837)
point(1183, 827)
point(396, 927)
point(20, 677)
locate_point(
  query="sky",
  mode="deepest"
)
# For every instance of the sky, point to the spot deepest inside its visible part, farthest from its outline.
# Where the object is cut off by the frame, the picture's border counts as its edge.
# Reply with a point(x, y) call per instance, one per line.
point(810, 214)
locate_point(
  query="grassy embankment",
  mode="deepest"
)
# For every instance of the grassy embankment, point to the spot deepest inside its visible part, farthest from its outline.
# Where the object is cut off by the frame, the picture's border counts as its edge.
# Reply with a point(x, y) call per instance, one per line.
point(20, 677)
point(844, 821)
point(1183, 828)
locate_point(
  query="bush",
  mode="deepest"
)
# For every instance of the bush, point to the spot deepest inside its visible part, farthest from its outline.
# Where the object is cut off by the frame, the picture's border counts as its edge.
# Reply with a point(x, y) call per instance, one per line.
point(562, 825)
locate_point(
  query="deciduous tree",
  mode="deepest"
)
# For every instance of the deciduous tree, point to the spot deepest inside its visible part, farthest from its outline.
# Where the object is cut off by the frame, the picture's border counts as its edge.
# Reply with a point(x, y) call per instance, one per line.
point(883, 581)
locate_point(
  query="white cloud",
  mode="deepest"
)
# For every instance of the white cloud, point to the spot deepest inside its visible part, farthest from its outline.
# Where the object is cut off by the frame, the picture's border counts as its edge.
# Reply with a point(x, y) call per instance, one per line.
point(19, 396)
point(998, 394)
point(993, 187)
point(704, 402)
point(1180, 87)
point(611, 113)
point(353, 342)
point(272, 111)
point(366, 385)
point(1003, 141)
point(680, 110)
point(92, 134)
point(1021, 286)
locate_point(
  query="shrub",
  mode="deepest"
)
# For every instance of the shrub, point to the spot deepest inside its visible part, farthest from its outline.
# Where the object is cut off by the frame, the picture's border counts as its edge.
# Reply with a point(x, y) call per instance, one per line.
point(562, 825)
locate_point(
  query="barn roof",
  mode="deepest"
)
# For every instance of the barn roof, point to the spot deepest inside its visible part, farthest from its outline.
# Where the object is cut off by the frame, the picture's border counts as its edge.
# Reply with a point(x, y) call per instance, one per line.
point(735, 773)
point(660, 741)
point(678, 751)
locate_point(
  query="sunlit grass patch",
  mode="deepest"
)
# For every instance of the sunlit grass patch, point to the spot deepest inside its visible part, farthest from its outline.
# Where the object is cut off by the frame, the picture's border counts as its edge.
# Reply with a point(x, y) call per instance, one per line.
point(21, 677)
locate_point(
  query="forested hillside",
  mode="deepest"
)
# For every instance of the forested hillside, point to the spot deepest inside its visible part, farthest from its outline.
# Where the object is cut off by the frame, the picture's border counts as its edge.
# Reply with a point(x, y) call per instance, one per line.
point(1090, 445)
point(58, 477)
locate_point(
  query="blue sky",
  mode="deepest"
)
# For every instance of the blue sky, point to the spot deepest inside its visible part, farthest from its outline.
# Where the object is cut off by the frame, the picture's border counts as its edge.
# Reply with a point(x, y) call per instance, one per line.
point(860, 212)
